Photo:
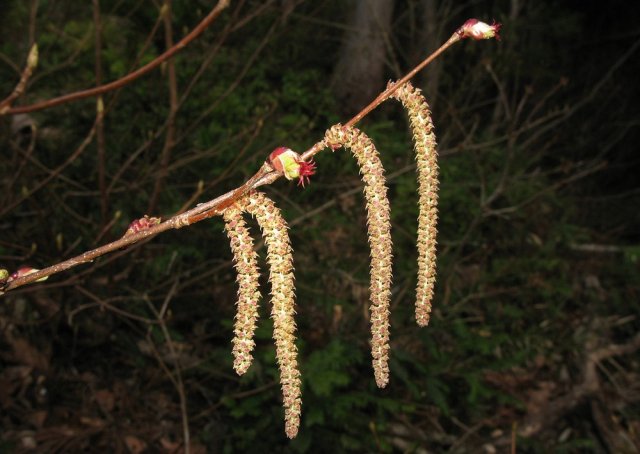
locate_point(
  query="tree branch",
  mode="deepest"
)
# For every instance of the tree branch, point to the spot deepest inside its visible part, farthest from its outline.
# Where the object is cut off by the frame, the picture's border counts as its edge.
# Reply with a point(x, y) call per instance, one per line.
point(197, 31)
point(266, 175)
point(32, 62)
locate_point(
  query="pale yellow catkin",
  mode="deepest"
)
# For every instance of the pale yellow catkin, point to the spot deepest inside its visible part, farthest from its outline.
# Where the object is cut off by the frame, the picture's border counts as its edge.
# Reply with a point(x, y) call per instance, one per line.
point(280, 260)
point(246, 264)
point(427, 168)
point(379, 234)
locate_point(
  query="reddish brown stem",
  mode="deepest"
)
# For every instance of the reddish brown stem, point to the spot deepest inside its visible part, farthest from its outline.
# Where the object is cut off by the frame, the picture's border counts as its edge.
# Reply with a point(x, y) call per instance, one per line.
point(391, 90)
point(197, 31)
point(266, 175)
point(200, 212)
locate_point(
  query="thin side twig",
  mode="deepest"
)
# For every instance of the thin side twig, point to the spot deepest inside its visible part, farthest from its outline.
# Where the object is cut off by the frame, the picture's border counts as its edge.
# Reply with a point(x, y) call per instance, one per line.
point(100, 139)
point(32, 62)
point(197, 31)
point(170, 136)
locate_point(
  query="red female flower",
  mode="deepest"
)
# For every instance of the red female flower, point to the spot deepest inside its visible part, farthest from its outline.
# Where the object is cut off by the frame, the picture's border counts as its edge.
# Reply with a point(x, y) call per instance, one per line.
point(477, 30)
point(290, 164)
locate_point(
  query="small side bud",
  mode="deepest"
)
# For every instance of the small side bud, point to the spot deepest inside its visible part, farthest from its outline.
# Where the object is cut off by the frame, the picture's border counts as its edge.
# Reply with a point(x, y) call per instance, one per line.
point(164, 10)
point(25, 271)
point(4, 275)
point(32, 59)
point(475, 29)
point(290, 164)
point(59, 241)
point(100, 106)
point(141, 224)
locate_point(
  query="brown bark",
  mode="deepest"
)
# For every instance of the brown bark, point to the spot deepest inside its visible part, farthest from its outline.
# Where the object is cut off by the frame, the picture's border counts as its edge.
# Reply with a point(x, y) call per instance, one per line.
point(360, 72)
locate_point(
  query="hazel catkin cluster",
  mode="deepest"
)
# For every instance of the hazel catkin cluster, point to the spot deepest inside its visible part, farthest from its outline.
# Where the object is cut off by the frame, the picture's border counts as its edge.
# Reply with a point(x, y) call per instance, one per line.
point(280, 259)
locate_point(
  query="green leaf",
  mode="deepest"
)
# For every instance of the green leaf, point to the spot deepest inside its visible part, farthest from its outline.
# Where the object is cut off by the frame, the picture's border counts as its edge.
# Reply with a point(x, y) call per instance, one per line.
point(325, 369)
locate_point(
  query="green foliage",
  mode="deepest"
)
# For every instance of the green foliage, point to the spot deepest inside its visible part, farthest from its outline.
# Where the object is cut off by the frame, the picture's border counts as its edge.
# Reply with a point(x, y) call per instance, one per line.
point(325, 369)
point(515, 304)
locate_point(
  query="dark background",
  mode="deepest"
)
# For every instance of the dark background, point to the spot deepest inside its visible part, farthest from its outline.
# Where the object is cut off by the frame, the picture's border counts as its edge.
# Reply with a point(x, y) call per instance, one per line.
point(533, 340)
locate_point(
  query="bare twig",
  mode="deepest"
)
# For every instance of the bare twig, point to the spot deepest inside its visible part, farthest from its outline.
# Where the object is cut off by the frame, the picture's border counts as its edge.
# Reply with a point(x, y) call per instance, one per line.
point(392, 89)
point(536, 421)
point(201, 27)
point(55, 173)
point(32, 62)
point(100, 141)
point(170, 136)
point(176, 376)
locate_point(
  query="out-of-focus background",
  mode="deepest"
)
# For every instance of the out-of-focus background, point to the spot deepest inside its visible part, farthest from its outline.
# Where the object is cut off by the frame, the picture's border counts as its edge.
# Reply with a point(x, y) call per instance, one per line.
point(533, 342)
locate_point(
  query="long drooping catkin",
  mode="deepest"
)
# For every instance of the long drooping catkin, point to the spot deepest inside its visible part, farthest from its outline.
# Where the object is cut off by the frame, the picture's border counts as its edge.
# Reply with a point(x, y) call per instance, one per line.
point(280, 259)
point(248, 288)
point(426, 159)
point(379, 229)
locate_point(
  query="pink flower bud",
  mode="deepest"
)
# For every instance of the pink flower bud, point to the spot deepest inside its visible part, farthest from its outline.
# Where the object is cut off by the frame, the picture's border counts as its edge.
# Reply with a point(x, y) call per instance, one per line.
point(142, 224)
point(477, 30)
point(24, 271)
point(290, 164)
